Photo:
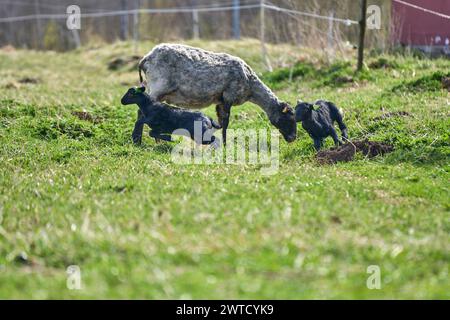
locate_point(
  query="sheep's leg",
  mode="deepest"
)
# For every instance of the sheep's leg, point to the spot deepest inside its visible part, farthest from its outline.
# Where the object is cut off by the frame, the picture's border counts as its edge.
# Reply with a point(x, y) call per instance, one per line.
point(158, 136)
point(342, 126)
point(221, 115)
point(344, 133)
point(212, 141)
point(226, 121)
point(317, 143)
point(138, 128)
point(165, 137)
point(335, 137)
point(219, 112)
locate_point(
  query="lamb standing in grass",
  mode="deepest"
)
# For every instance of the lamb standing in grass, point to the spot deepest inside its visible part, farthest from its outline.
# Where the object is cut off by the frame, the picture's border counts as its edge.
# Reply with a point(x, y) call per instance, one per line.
point(195, 78)
point(164, 119)
point(319, 123)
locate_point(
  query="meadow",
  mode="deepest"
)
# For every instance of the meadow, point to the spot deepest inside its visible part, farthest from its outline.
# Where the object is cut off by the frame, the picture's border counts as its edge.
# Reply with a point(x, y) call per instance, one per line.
point(78, 192)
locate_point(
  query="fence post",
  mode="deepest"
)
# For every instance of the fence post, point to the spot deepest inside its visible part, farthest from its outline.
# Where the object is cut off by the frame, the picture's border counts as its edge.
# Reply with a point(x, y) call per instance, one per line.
point(263, 36)
point(136, 25)
point(362, 32)
point(236, 20)
point(123, 21)
point(330, 31)
point(195, 26)
point(40, 35)
point(76, 38)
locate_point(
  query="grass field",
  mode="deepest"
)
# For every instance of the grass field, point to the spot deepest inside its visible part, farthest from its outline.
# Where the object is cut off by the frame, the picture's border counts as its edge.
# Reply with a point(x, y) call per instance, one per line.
point(76, 192)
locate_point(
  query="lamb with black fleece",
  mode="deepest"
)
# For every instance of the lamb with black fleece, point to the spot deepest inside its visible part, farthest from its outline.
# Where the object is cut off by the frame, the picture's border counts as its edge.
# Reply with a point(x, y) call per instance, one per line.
point(320, 123)
point(165, 120)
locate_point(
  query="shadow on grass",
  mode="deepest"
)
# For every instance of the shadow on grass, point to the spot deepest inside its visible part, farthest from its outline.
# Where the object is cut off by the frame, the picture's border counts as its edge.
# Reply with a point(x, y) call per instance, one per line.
point(337, 74)
point(432, 82)
point(163, 147)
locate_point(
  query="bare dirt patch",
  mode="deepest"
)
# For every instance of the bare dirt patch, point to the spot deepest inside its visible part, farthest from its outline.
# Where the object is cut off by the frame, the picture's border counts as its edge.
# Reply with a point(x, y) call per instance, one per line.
point(29, 80)
point(86, 116)
point(120, 62)
point(346, 152)
point(382, 63)
point(388, 115)
point(344, 79)
point(446, 83)
point(12, 85)
point(8, 48)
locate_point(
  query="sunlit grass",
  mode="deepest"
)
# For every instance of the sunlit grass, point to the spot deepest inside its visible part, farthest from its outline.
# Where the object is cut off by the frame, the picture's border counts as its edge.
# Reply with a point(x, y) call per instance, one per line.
point(140, 226)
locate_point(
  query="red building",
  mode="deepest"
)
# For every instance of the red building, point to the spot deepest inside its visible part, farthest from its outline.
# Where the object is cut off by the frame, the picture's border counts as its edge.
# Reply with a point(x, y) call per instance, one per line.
point(421, 28)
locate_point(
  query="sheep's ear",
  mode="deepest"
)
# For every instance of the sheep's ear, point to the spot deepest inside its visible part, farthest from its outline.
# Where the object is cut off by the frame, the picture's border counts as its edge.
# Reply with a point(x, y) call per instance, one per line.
point(299, 101)
point(285, 109)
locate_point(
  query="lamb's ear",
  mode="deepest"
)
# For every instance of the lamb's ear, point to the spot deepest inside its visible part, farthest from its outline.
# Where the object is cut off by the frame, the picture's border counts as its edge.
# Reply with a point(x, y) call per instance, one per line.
point(299, 101)
point(285, 109)
point(140, 89)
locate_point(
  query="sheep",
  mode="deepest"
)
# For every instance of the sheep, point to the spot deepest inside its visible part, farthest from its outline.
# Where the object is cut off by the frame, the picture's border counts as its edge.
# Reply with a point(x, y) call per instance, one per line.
point(165, 120)
point(319, 123)
point(195, 78)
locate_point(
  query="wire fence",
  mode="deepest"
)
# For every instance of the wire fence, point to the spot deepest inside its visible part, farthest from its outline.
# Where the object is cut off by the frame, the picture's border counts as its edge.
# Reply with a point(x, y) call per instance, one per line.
point(177, 10)
point(316, 23)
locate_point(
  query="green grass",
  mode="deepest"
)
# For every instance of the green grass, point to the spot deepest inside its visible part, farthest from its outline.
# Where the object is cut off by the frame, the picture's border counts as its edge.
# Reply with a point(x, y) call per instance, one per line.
point(140, 226)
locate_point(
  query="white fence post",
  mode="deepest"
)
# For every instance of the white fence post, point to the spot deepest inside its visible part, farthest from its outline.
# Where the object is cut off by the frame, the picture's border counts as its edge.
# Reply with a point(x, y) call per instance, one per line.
point(195, 26)
point(263, 36)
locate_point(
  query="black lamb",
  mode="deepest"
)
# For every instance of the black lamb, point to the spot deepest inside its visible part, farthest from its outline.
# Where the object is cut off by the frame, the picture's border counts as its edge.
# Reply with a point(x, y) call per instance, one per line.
point(320, 123)
point(164, 119)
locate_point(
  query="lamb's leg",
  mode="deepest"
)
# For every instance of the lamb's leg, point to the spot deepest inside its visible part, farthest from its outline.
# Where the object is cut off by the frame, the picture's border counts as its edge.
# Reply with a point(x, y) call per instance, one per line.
point(158, 136)
point(317, 143)
point(138, 128)
point(344, 133)
point(165, 137)
point(342, 126)
point(212, 141)
point(335, 137)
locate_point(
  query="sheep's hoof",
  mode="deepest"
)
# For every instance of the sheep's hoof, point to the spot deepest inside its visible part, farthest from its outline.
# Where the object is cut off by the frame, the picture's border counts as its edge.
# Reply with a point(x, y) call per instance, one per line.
point(137, 141)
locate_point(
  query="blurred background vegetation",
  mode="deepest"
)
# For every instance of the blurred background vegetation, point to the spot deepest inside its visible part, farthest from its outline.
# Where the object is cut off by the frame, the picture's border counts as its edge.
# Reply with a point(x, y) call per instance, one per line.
point(281, 27)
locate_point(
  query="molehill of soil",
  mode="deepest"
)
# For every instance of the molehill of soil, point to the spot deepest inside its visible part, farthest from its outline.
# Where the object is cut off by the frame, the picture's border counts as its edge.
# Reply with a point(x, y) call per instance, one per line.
point(29, 80)
point(446, 83)
point(347, 151)
point(388, 115)
point(120, 62)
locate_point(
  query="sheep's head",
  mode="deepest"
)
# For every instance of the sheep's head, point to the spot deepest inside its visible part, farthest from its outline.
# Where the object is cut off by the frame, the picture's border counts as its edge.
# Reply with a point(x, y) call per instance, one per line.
point(303, 111)
point(133, 95)
point(285, 122)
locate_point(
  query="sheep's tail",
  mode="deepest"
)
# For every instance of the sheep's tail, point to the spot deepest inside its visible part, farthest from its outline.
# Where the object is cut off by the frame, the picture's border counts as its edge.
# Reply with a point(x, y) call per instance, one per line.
point(215, 124)
point(140, 67)
point(140, 74)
